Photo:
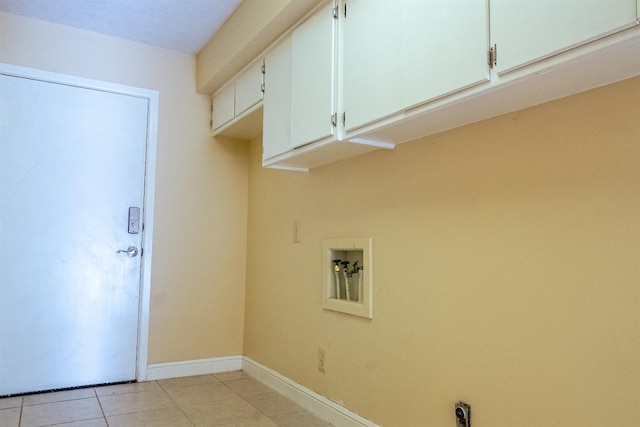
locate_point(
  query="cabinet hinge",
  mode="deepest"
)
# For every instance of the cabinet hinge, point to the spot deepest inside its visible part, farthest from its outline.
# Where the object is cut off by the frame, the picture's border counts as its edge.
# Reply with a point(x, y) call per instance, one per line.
point(493, 56)
point(263, 69)
point(334, 119)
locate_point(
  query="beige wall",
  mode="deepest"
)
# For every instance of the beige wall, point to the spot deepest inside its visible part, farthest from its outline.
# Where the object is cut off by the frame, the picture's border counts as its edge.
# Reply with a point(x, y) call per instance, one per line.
point(197, 282)
point(505, 270)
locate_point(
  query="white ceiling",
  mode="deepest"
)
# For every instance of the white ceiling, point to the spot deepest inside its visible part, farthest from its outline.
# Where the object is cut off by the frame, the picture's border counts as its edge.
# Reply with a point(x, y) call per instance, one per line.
point(182, 25)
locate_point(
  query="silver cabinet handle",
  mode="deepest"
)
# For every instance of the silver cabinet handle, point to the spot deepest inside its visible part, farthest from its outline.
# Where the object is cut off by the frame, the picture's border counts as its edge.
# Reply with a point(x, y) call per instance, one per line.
point(131, 251)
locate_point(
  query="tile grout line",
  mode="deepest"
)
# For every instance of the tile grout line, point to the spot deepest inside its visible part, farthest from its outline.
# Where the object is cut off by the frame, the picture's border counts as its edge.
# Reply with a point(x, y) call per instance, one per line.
point(271, 391)
point(223, 383)
point(176, 403)
point(21, 407)
point(131, 393)
point(100, 405)
point(274, 392)
point(244, 398)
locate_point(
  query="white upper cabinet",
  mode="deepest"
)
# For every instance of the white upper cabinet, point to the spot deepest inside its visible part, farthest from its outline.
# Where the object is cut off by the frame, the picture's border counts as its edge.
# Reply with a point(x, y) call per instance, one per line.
point(526, 31)
point(237, 98)
point(371, 60)
point(397, 55)
point(248, 88)
point(223, 108)
point(443, 48)
point(276, 131)
point(357, 75)
point(299, 105)
point(313, 78)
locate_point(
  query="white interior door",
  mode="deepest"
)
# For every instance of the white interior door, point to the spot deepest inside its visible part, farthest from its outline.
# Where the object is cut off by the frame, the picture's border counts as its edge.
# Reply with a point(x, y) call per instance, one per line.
point(72, 162)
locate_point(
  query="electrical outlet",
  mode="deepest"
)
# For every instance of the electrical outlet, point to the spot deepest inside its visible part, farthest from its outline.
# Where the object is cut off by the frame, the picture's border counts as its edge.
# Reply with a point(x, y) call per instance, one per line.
point(322, 359)
point(463, 414)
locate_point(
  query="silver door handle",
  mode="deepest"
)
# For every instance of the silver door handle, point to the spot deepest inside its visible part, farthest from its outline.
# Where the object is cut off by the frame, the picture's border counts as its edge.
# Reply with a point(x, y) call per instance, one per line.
point(131, 251)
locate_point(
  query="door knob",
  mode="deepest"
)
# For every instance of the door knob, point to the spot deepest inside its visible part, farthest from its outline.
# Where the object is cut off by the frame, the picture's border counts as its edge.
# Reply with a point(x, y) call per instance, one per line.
point(131, 251)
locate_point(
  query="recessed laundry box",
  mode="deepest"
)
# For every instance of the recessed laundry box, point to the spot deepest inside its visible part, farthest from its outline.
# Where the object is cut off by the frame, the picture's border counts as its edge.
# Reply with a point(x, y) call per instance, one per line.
point(347, 278)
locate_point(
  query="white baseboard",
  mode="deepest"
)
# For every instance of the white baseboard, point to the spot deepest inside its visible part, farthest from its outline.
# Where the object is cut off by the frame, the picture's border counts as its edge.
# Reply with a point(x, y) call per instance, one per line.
point(215, 365)
point(321, 406)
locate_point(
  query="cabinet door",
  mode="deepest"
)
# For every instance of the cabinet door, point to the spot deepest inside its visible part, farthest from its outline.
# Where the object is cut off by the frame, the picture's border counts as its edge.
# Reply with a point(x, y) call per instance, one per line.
point(443, 48)
point(526, 31)
point(312, 78)
point(223, 107)
point(405, 53)
point(277, 100)
point(371, 64)
point(249, 88)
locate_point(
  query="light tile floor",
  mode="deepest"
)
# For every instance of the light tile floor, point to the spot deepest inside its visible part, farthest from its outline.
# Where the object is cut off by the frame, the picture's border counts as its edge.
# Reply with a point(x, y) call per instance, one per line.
point(230, 399)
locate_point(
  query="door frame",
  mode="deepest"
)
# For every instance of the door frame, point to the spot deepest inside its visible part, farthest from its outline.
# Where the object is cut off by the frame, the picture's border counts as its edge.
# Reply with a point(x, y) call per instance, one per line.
point(152, 97)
